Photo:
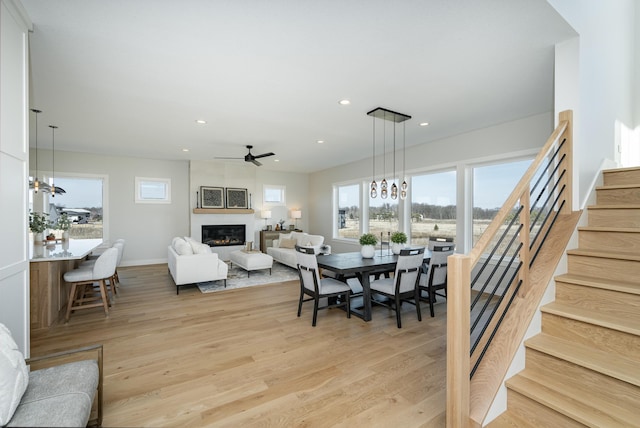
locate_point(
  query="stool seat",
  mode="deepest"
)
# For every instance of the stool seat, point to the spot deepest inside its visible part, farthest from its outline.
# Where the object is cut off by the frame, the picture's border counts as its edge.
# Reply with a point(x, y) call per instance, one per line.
point(251, 260)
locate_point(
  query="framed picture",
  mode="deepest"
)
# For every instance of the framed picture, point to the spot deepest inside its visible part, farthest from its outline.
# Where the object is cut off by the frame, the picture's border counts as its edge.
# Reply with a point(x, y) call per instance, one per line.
point(211, 197)
point(237, 198)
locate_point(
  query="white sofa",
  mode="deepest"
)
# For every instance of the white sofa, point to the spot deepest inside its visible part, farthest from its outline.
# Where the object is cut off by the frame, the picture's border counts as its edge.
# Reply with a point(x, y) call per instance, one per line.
point(191, 261)
point(284, 251)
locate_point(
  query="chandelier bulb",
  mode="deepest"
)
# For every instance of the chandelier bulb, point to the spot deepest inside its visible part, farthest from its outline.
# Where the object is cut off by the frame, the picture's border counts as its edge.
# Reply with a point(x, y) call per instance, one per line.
point(374, 193)
point(36, 185)
point(394, 191)
point(383, 193)
point(403, 195)
point(404, 185)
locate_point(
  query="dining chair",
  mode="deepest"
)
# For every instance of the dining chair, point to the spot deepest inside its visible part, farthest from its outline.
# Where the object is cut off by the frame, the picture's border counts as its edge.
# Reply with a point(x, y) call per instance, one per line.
point(83, 278)
point(336, 292)
point(435, 277)
point(403, 286)
point(437, 241)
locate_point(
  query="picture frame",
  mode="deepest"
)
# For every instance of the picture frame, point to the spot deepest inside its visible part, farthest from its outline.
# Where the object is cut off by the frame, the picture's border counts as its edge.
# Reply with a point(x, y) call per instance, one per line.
point(236, 198)
point(211, 197)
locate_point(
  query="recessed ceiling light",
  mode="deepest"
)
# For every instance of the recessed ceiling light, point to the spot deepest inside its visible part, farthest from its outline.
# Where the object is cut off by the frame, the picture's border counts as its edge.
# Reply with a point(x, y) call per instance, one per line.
point(344, 102)
point(276, 160)
point(185, 150)
point(201, 122)
point(424, 123)
point(320, 141)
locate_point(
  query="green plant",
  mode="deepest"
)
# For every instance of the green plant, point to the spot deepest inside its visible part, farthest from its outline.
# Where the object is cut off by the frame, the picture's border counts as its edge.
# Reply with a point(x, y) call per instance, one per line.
point(399, 238)
point(436, 228)
point(64, 222)
point(368, 239)
point(38, 222)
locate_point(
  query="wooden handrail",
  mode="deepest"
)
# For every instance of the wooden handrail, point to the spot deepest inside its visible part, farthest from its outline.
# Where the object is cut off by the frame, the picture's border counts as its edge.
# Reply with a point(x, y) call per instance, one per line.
point(464, 408)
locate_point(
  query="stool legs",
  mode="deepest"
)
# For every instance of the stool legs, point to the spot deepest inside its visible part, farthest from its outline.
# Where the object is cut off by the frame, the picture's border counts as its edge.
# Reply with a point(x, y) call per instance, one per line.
point(79, 300)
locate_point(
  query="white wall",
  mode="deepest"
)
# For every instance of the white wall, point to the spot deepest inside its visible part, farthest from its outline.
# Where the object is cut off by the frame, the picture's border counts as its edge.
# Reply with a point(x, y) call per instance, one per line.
point(504, 140)
point(14, 157)
point(252, 178)
point(607, 82)
point(147, 228)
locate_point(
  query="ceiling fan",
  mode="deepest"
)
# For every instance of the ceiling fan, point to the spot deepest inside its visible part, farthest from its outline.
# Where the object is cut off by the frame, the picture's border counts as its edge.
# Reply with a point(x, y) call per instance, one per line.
point(249, 157)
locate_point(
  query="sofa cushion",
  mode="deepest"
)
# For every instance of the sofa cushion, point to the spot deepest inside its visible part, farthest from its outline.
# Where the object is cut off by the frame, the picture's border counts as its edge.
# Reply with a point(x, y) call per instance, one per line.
point(182, 247)
point(61, 395)
point(14, 375)
point(288, 243)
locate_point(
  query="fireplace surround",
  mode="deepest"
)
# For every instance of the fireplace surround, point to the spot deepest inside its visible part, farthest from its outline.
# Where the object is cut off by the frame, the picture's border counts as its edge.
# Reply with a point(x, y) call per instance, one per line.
point(224, 235)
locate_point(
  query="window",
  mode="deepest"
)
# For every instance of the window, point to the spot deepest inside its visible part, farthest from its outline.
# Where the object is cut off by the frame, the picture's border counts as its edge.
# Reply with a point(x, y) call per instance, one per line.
point(433, 206)
point(348, 220)
point(492, 184)
point(153, 190)
point(274, 195)
point(84, 204)
point(383, 215)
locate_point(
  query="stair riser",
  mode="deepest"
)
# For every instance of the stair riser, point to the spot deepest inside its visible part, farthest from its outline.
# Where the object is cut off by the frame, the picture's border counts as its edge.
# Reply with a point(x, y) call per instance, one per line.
point(625, 196)
point(600, 338)
point(599, 299)
point(623, 270)
point(614, 217)
point(618, 178)
point(607, 390)
point(537, 414)
point(612, 241)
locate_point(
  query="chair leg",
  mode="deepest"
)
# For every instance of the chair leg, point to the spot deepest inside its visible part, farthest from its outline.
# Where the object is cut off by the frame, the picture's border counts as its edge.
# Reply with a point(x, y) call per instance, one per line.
point(315, 310)
point(300, 302)
point(72, 296)
point(348, 299)
point(103, 293)
point(432, 297)
point(398, 306)
point(416, 297)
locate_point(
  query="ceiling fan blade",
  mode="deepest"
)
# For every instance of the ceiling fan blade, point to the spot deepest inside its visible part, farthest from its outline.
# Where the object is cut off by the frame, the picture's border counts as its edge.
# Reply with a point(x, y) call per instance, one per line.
point(256, 162)
point(224, 157)
point(264, 155)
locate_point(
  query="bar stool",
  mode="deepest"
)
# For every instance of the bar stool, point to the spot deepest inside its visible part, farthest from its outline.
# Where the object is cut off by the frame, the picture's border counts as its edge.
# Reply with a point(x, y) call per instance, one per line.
point(82, 280)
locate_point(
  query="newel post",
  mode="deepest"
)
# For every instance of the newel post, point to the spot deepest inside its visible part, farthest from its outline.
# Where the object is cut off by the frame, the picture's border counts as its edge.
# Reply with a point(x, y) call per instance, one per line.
point(458, 340)
point(567, 150)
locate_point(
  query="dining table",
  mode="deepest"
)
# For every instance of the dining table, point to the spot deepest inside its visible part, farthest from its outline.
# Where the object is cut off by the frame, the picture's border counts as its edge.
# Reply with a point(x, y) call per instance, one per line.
point(352, 265)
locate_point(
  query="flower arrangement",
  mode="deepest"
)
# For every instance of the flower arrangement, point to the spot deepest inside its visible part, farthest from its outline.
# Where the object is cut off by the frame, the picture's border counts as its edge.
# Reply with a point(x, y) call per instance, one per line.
point(64, 222)
point(399, 238)
point(38, 222)
point(368, 239)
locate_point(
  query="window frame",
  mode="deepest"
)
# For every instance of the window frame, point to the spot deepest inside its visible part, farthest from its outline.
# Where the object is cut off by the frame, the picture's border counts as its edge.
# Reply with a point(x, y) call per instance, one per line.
point(281, 189)
point(138, 189)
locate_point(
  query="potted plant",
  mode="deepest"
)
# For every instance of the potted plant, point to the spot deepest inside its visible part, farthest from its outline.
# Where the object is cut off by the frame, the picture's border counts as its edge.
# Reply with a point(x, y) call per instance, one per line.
point(38, 224)
point(398, 239)
point(64, 224)
point(368, 242)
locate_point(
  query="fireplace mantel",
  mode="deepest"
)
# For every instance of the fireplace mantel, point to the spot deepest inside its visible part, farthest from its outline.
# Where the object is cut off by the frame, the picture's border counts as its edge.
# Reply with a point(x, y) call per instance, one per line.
point(222, 211)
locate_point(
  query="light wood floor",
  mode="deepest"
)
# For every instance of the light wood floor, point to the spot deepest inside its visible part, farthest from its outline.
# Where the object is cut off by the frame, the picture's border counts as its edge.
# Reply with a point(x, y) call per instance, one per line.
point(241, 358)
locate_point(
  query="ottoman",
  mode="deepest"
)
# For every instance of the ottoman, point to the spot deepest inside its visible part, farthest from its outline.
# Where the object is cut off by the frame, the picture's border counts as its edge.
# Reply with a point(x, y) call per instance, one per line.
point(252, 260)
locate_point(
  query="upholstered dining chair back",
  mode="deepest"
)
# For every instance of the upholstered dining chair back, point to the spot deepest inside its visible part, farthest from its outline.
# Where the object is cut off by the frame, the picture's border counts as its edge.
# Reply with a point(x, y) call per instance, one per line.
point(437, 241)
point(437, 271)
point(105, 265)
point(308, 267)
point(119, 245)
point(408, 268)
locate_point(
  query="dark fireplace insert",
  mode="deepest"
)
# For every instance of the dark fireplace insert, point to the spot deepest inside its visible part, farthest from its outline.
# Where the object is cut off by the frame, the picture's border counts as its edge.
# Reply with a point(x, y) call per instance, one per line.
point(223, 235)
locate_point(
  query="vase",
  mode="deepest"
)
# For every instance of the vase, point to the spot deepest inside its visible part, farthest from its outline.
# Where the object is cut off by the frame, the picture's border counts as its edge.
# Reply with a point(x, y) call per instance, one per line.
point(367, 251)
point(65, 235)
point(38, 237)
point(396, 248)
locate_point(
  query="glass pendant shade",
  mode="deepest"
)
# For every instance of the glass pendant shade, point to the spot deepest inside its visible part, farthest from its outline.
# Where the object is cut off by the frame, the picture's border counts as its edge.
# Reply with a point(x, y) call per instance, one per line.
point(374, 189)
point(394, 191)
point(383, 189)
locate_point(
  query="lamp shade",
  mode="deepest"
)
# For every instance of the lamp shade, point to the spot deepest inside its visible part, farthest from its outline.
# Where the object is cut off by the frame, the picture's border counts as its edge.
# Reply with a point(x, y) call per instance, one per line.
point(296, 214)
point(265, 214)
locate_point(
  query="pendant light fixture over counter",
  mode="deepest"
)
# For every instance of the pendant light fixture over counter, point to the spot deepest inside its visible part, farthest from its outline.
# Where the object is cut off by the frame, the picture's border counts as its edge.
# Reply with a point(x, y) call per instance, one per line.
point(395, 117)
point(36, 184)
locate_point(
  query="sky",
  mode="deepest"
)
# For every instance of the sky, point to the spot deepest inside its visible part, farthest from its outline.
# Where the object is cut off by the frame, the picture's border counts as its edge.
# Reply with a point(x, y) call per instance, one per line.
point(81, 192)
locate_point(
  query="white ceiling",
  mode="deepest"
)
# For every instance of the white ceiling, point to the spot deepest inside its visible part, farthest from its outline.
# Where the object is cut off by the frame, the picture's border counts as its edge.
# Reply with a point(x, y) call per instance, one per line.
point(130, 77)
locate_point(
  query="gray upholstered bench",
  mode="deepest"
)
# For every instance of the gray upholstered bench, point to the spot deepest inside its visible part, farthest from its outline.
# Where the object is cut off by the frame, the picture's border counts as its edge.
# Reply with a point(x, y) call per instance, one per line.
point(62, 395)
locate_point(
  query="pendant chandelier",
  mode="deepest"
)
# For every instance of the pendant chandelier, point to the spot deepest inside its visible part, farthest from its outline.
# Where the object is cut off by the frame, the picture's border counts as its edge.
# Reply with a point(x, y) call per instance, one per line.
point(53, 155)
point(36, 184)
point(395, 117)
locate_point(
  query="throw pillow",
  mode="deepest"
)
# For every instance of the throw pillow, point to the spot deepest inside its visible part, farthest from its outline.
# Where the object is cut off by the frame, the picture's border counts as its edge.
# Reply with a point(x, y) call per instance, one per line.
point(200, 248)
point(194, 244)
point(288, 243)
point(183, 248)
point(14, 376)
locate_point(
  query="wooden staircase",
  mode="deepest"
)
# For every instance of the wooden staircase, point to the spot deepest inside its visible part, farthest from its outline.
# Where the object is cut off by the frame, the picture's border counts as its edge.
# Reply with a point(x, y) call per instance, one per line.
point(584, 368)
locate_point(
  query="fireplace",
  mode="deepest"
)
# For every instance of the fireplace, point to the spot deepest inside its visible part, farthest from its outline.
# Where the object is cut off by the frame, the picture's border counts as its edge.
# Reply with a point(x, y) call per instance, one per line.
point(223, 235)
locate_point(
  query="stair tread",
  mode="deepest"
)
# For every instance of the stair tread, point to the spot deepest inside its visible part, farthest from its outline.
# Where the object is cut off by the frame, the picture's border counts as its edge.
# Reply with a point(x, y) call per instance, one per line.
point(625, 169)
point(609, 229)
point(617, 186)
point(509, 419)
point(603, 283)
point(620, 255)
point(614, 207)
point(576, 409)
point(607, 363)
point(608, 320)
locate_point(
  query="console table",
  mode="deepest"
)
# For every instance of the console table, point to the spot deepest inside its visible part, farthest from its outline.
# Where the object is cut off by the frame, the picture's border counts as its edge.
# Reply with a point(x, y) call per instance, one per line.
point(267, 237)
point(48, 264)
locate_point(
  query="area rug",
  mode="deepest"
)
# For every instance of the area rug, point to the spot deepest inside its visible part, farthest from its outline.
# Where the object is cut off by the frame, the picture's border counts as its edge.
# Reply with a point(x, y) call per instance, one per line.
point(237, 278)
